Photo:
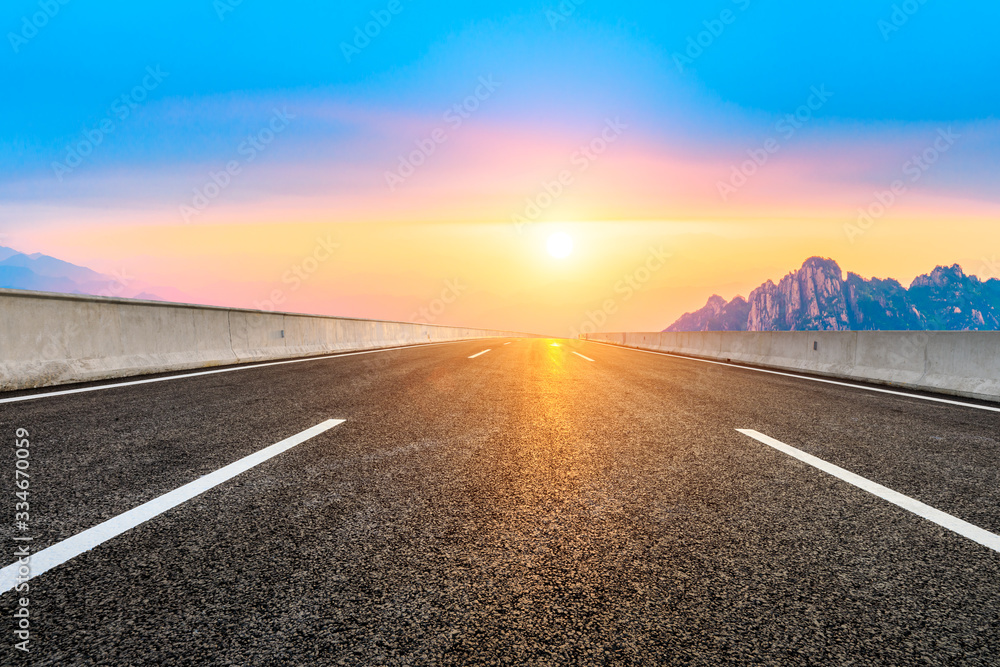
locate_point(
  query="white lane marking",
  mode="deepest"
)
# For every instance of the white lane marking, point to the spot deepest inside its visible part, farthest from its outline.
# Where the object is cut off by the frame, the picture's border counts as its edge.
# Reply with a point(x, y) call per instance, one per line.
point(479, 354)
point(952, 523)
point(581, 356)
point(230, 369)
point(71, 547)
point(806, 377)
point(507, 343)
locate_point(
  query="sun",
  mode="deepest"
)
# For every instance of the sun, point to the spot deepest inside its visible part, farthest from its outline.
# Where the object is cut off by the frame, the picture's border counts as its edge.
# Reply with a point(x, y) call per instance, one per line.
point(560, 245)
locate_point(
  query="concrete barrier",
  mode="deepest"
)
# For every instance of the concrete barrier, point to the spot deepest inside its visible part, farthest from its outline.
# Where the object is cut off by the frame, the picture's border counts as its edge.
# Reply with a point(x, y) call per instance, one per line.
point(50, 339)
point(960, 363)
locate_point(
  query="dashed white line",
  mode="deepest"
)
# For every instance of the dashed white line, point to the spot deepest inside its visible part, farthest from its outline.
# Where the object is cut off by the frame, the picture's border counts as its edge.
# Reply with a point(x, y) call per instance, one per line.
point(804, 377)
point(71, 547)
point(478, 354)
point(507, 343)
point(582, 357)
point(952, 523)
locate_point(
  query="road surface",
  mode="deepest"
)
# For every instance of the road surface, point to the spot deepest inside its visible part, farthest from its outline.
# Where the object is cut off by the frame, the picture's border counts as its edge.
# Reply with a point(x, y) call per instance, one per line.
point(545, 502)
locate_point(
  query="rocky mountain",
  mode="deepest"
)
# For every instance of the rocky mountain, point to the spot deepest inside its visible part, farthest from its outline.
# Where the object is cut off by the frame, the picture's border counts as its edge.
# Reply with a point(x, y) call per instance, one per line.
point(818, 297)
point(717, 315)
point(948, 299)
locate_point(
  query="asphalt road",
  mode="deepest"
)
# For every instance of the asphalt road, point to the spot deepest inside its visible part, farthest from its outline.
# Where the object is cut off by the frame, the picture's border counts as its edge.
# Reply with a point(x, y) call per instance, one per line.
point(528, 506)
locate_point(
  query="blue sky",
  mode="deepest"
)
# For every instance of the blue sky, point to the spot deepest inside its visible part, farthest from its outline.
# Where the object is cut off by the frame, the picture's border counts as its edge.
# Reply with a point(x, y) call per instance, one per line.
point(939, 66)
point(898, 70)
point(699, 86)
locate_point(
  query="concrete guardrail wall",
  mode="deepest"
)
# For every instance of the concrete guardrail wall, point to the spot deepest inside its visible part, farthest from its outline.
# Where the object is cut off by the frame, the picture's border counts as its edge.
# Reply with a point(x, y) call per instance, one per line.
point(961, 363)
point(50, 339)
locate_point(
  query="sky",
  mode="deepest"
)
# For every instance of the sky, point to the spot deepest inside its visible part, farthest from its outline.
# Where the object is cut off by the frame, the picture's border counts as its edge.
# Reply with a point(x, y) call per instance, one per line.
point(410, 160)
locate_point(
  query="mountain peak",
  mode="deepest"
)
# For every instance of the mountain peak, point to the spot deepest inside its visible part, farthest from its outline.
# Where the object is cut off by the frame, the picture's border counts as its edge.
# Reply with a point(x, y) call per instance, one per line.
point(716, 315)
point(941, 275)
point(817, 262)
point(716, 301)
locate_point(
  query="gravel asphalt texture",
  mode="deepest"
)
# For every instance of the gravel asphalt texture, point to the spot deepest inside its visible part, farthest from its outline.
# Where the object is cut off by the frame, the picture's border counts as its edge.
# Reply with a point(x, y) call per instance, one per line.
point(527, 507)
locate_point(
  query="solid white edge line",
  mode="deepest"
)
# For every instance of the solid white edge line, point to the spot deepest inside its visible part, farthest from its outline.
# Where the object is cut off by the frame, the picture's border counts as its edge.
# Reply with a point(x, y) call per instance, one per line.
point(952, 523)
point(228, 369)
point(581, 356)
point(71, 547)
point(479, 354)
point(804, 377)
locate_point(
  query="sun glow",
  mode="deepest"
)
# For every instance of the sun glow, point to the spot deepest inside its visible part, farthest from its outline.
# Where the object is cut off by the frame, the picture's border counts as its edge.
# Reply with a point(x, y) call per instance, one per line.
point(560, 245)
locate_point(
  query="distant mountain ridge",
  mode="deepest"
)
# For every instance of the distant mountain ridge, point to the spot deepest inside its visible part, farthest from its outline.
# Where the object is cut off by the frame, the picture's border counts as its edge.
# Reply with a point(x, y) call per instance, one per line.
point(43, 273)
point(816, 297)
